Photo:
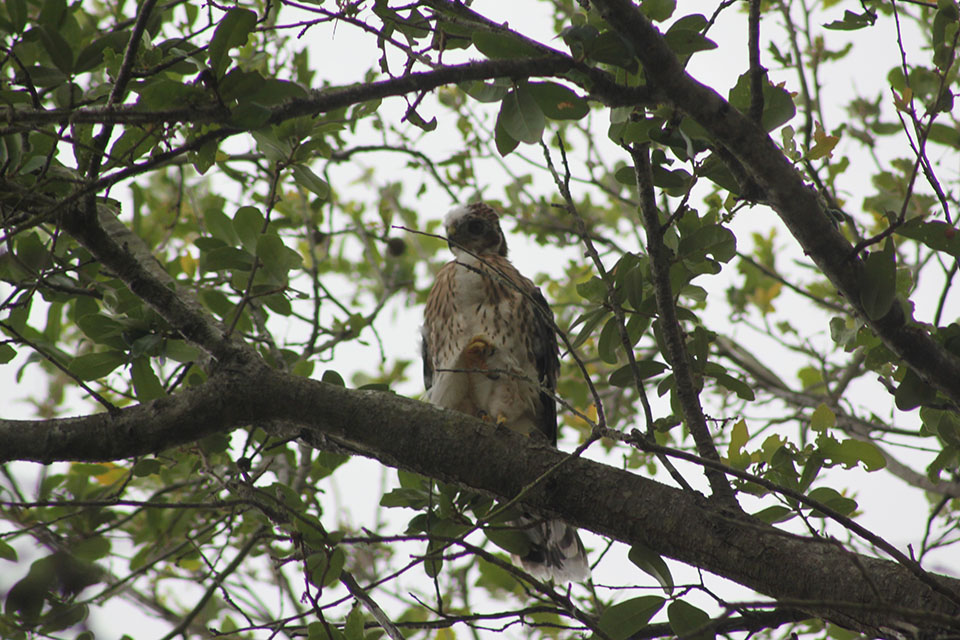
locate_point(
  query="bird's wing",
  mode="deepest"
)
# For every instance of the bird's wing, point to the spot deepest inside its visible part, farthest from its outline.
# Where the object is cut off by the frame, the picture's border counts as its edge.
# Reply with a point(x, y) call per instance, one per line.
point(547, 359)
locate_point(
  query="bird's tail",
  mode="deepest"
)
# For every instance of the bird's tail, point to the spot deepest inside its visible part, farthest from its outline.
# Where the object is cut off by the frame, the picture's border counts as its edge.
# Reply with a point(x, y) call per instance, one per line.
point(556, 551)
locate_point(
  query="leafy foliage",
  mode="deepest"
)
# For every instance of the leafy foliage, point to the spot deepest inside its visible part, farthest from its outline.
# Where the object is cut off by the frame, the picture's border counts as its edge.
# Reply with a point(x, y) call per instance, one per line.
point(183, 171)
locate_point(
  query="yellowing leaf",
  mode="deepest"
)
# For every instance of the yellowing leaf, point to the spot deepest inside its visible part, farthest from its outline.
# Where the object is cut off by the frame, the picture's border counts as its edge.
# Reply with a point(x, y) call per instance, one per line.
point(189, 264)
point(823, 418)
point(903, 99)
point(823, 144)
point(739, 435)
point(111, 476)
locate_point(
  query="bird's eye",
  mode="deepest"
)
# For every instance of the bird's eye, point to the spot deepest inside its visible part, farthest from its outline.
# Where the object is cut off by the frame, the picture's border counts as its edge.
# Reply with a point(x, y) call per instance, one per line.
point(476, 227)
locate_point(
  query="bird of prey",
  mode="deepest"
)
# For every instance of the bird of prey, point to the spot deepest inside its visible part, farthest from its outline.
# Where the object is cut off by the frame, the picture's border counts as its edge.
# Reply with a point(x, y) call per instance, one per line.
point(490, 350)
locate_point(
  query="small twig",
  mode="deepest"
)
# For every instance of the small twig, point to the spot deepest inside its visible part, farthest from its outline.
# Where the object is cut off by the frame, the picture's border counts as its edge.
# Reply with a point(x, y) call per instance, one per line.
point(676, 348)
point(846, 522)
point(563, 184)
point(49, 358)
point(347, 579)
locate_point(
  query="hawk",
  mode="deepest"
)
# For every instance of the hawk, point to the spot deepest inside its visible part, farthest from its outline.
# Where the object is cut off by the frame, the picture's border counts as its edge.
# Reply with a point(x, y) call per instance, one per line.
point(490, 350)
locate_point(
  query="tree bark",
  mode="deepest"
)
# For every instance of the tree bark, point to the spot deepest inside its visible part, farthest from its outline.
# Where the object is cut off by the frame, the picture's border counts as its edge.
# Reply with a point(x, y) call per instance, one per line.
point(818, 575)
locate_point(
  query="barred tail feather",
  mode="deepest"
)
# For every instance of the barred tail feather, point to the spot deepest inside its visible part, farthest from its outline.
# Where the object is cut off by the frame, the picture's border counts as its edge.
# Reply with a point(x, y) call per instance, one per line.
point(556, 551)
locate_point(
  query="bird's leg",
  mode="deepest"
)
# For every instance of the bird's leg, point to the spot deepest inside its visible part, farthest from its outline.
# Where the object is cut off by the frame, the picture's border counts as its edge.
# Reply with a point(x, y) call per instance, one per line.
point(499, 421)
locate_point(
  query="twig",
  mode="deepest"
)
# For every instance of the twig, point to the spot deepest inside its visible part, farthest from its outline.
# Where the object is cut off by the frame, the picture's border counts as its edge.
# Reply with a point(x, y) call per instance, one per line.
point(670, 325)
point(112, 408)
point(563, 184)
point(360, 594)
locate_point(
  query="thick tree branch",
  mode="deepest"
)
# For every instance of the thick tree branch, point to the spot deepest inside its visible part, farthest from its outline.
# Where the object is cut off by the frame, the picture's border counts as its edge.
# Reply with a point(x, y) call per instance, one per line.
point(126, 255)
point(421, 438)
point(797, 205)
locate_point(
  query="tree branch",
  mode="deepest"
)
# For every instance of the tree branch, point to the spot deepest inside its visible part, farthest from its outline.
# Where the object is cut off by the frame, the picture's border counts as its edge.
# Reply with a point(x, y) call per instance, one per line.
point(675, 349)
point(443, 444)
point(797, 205)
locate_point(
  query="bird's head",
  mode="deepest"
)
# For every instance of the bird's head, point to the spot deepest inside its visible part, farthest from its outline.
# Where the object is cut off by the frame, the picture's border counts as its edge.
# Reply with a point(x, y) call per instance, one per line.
point(476, 228)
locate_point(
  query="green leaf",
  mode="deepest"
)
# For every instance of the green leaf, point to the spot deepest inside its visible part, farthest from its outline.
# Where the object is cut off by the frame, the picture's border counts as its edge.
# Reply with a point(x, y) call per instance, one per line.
point(590, 322)
point(878, 282)
point(249, 115)
point(249, 225)
point(609, 47)
point(162, 94)
point(831, 498)
point(353, 627)
point(404, 497)
point(594, 289)
point(145, 382)
point(500, 45)
point(28, 595)
point(557, 101)
point(521, 116)
point(658, 10)
point(685, 619)
point(948, 457)
point(609, 341)
point(944, 424)
point(91, 548)
point(852, 21)
point(712, 239)
point(52, 12)
point(626, 618)
point(504, 141)
point(7, 552)
point(623, 377)
point(684, 36)
point(850, 452)
point(92, 55)
point(7, 353)
point(433, 562)
point(483, 92)
point(57, 48)
point(495, 579)
point(220, 226)
point(146, 467)
point(273, 148)
point(226, 258)
point(823, 418)
point(92, 366)
point(774, 514)
point(332, 377)
point(232, 31)
point(325, 568)
point(778, 106)
point(868, 453)
point(937, 235)
point(307, 179)
point(510, 540)
point(17, 11)
point(204, 157)
point(277, 257)
point(725, 380)
point(739, 436)
point(651, 563)
point(943, 134)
